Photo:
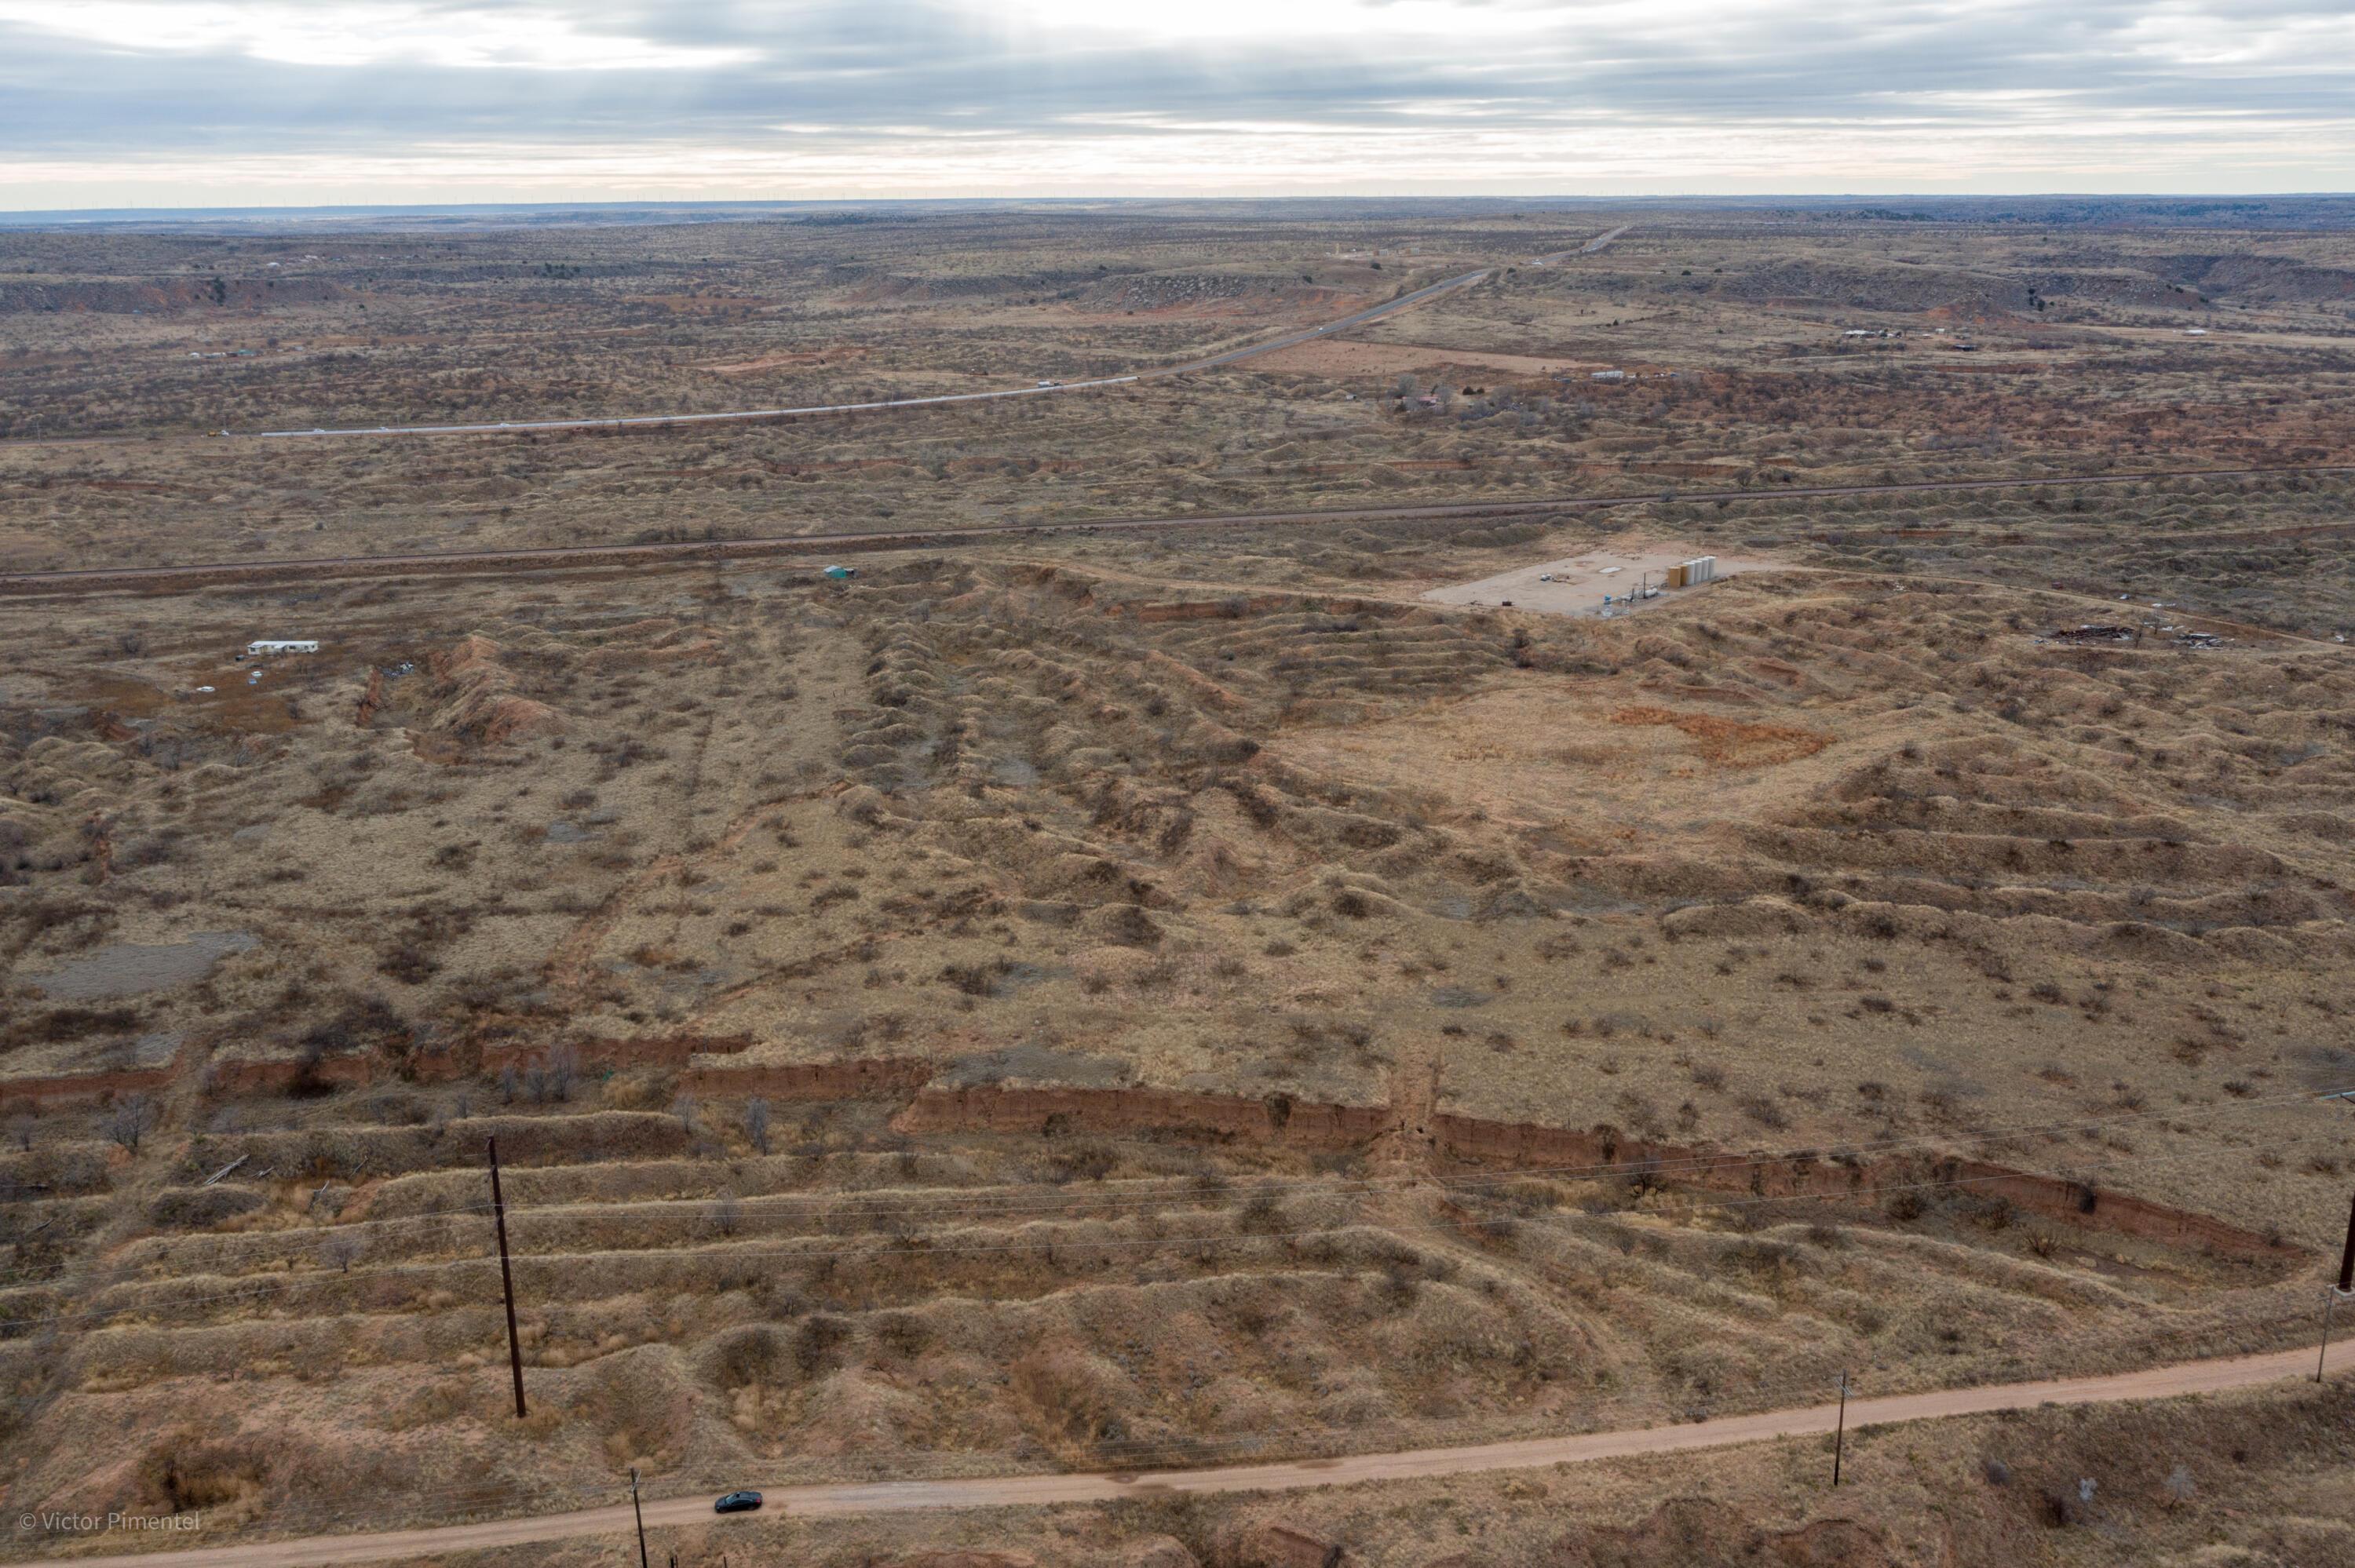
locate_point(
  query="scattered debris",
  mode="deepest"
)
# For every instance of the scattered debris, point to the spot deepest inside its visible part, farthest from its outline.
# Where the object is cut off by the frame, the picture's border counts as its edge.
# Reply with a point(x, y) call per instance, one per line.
point(224, 1170)
point(2086, 636)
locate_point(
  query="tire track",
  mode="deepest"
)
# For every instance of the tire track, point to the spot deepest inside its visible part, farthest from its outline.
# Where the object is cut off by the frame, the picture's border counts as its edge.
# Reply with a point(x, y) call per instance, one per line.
point(857, 1500)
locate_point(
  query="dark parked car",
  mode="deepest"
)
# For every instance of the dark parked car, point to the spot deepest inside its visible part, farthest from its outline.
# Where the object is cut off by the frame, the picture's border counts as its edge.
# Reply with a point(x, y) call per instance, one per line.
point(737, 1503)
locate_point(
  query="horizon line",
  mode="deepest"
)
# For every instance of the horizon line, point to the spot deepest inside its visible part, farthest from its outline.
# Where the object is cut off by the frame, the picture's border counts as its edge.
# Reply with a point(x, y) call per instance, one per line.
point(1498, 198)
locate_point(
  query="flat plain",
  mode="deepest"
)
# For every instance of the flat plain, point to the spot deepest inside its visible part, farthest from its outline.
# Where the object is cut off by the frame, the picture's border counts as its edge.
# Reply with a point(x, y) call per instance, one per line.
point(1084, 997)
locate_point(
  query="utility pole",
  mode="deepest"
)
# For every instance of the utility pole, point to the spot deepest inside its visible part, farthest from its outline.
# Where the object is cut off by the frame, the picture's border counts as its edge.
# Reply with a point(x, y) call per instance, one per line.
point(1839, 1433)
point(641, 1514)
point(2331, 1296)
point(507, 1279)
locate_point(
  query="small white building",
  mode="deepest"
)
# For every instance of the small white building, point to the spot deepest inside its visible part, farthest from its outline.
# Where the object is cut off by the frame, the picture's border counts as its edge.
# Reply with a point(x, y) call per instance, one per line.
point(281, 645)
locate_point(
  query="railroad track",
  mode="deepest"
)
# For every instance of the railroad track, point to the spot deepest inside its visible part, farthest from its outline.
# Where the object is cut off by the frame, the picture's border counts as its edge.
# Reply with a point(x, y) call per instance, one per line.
point(575, 558)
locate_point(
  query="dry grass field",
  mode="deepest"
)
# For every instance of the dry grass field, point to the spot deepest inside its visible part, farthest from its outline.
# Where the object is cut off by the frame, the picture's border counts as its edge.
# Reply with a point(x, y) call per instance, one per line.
point(2080, 364)
point(1143, 998)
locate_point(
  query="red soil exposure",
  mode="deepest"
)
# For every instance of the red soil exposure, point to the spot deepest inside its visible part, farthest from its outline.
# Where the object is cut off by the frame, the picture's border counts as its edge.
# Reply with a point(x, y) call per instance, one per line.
point(21, 1093)
point(1730, 740)
point(478, 706)
point(1201, 685)
point(1603, 1150)
point(1214, 1118)
point(1809, 1176)
point(896, 1076)
point(1227, 1118)
point(466, 1061)
point(371, 701)
point(255, 1077)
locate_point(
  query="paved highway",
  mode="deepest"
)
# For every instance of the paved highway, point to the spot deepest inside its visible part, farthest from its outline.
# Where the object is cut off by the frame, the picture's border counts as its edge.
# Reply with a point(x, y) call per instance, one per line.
point(739, 416)
point(1421, 1464)
point(1589, 248)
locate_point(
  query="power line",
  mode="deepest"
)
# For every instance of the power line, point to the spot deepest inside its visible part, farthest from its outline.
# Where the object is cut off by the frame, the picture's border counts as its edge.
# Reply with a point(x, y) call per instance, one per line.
point(1059, 1200)
point(281, 1285)
point(1707, 1164)
point(1183, 1450)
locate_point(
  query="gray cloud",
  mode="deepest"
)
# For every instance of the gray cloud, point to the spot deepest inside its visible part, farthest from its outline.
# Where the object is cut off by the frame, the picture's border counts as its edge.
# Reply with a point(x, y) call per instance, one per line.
point(2266, 84)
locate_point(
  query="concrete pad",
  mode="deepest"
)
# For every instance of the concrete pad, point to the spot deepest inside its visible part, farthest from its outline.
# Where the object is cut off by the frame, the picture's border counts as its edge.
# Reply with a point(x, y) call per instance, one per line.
point(1580, 581)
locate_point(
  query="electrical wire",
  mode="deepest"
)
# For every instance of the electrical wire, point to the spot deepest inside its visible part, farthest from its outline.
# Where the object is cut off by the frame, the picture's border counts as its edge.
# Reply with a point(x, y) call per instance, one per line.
point(1128, 1454)
point(1060, 1202)
point(1060, 1244)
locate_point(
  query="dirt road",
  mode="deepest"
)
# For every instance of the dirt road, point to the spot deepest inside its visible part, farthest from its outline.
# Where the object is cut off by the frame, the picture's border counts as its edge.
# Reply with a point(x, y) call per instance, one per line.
point(742, 416)
point(1033, 1491)
point(217, 574)
point(1589, 248)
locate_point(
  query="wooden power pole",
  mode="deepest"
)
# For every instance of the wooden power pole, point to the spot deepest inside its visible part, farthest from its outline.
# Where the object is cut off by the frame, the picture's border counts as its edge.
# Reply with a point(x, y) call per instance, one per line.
point(2347, 1258)
point(2332, 1296)
point(641, 1516)
point(507, 1279)
point(1839, 1433)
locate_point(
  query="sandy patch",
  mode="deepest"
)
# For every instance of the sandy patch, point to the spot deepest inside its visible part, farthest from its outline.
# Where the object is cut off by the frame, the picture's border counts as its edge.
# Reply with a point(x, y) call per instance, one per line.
point(128, 968)
point(1578, 583)
point(1336, 356)
point(1602, 772)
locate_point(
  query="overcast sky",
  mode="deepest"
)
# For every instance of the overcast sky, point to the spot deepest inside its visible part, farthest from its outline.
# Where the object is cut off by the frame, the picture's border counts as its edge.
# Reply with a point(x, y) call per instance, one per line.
point(214, 102)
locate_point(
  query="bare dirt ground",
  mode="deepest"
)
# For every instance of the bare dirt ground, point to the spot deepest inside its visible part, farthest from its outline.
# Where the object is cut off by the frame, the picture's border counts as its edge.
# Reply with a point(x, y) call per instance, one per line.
point(1578, 585)
point(1557, 1454)
point(1749, 317)
point(1069, 1002)
point(903, 860)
